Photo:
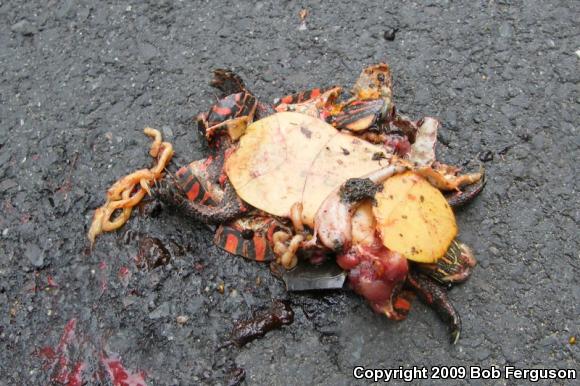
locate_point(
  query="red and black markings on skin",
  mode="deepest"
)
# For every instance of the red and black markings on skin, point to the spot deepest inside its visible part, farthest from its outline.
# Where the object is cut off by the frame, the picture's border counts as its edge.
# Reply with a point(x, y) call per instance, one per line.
point(193, 188)
point(358, 115)
point(252, 245)
point(301, 96)
point(233, 106)
point(435, 296)
point(402, 303)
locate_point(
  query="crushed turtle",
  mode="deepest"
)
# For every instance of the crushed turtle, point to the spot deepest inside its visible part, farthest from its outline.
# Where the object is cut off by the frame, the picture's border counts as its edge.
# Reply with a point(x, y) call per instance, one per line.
point(327, 177)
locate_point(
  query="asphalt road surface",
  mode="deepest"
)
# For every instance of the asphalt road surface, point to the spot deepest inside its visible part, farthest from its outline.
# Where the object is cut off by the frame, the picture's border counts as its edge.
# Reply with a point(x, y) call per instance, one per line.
point(79, 82)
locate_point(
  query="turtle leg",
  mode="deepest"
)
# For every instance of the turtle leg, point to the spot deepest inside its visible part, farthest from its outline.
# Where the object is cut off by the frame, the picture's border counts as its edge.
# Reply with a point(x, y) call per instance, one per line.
point(447, 180)
point(453, 268)
point(466, 195)
point(233, 111)
point(195, 196)
point(371, 105)
point(463, 187)
point(318, 103)
point(359, 115)
point(229, 116)
point(247, 237)
point(229, 209)
point(227, 82)
point(300, 97)
point(435, 296)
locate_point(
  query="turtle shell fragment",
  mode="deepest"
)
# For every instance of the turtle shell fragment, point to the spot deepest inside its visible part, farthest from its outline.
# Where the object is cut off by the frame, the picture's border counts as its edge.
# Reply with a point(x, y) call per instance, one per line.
point(414, 219)
point(290, 157)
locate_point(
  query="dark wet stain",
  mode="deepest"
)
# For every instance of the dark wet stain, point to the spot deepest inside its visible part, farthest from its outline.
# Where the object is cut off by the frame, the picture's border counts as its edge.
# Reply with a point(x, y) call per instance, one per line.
point(236, 376)
point(150, 208)
point(505, 149)
point(278, 315)
point(486, 156)
point(152, 253)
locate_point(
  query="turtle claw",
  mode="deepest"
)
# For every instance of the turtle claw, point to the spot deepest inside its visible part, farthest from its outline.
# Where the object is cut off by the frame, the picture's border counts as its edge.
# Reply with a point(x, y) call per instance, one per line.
point(459, 199)
point(227, 82)
point(455, 335)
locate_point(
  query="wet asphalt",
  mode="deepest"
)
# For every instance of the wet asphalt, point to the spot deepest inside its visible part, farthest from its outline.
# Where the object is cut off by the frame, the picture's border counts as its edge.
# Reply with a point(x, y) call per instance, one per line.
point(78, 83)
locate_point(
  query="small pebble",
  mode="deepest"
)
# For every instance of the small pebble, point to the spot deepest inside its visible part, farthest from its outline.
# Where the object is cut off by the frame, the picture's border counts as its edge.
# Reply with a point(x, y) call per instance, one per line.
point(572, 340)
point(390, 34)
point(221, 288)
point(182, 319)
point(494, 251)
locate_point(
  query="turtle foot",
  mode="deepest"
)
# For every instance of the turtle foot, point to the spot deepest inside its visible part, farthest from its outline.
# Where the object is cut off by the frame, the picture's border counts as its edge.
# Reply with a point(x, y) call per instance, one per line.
point(227, 82)
point(435, 296)
point(465, 196)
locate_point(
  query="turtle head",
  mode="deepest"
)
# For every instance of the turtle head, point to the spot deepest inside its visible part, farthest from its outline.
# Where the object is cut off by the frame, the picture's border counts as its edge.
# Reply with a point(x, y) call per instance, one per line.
point(375, 82)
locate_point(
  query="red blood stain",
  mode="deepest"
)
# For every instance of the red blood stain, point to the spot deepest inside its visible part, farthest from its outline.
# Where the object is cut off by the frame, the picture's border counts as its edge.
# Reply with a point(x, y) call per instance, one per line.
point(119, 375)
point(103, 276)
point(51, 282)
point(75, 377)
point(58, 361)
point(47, 353)
point(65, 371)
point(123, 271)
point(25, 218)
point(124, 275)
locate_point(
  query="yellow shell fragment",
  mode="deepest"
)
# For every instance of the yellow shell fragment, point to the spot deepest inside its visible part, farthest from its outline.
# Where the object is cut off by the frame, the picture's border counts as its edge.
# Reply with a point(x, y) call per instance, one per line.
point(414, 218)
point(290, 158)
